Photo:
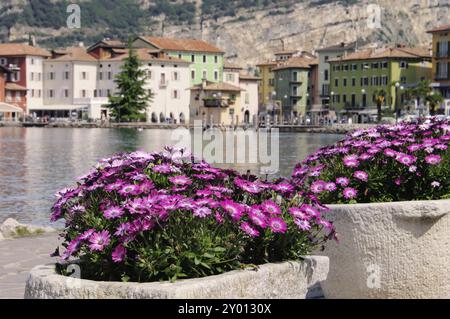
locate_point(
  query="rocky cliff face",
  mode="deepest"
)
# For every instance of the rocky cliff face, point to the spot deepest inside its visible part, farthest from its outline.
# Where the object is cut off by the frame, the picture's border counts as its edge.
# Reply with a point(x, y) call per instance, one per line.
point(253, 34)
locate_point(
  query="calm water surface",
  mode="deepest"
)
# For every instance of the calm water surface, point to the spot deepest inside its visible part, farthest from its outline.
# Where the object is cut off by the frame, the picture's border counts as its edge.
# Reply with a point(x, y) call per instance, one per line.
point(36, 162)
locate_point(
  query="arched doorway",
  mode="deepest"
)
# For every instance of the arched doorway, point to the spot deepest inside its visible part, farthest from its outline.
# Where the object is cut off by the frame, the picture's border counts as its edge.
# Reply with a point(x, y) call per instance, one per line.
point(162, 118)
point(154, 118)
point(247, 117)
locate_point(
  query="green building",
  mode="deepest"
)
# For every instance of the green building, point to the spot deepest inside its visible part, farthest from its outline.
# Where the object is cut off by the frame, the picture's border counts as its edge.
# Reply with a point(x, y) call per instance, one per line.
point(207, 60)
point(356, 77)
point(294, 86)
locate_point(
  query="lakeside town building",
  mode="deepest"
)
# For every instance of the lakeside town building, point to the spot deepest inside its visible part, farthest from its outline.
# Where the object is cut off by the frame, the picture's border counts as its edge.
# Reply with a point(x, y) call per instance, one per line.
point(22, 72)
point(356, 77)
point(234, 101)
point(441, 64)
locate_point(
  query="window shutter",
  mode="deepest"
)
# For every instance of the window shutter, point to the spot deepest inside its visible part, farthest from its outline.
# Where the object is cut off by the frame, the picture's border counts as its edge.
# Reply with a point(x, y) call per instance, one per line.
point(438, 45)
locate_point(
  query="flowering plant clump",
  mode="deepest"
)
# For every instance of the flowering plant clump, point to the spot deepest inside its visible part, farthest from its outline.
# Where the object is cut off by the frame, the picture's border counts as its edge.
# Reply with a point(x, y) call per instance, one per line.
point(382, 164)
point(162, 216)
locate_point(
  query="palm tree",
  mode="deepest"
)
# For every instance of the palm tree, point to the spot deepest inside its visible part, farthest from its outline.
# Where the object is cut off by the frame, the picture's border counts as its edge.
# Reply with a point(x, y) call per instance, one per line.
point(379, 96)
point(434, 99)
point(421, 91)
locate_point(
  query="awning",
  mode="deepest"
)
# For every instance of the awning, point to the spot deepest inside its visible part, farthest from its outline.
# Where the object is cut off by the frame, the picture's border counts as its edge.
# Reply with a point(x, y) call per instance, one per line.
point(9, 108)
point(440, 85)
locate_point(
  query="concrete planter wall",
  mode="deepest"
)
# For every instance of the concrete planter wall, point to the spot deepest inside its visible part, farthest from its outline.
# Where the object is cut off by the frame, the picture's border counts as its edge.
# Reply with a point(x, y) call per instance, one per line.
point(390, 250)
point(284, 280)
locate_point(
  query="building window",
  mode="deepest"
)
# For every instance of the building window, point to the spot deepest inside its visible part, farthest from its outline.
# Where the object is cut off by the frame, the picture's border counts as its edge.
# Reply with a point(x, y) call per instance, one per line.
point(193, 74)
point(403, 65)
point(175, 94)
point(83, 93)
point(247, 98)
point(325, 75)
point(175, 76)
point(204, 75)
point(295, 90)
point(3, 61)
point(109, 75)
point(344, 82)
point(204, 59)
point(149, 74)
point(295, 76)
point(108, 92)
point(66, 93)
point(216, 59)
point(336, 82)
point(100, 76)
point(83, 75)
point(192, 58)
point(32, 76)
point(353, 81)
point(32, 61)
point(230, 77)
point(216, 75)
point(326, 58)
point(354, 67)
point(365, 66)
point(50, 93)
point(180, 56)
point(66, 75)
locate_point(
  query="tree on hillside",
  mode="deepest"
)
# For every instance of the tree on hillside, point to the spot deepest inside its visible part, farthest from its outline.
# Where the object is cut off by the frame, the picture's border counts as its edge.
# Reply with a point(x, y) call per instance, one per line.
point(131, 100)
point(379, 96)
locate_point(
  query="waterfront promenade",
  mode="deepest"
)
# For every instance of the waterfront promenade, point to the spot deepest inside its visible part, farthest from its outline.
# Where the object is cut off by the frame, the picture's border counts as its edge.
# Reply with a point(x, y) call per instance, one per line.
point(18, 257)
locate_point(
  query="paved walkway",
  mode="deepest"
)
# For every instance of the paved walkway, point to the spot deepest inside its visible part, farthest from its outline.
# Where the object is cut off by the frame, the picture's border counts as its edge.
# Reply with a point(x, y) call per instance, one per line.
point(18, 257)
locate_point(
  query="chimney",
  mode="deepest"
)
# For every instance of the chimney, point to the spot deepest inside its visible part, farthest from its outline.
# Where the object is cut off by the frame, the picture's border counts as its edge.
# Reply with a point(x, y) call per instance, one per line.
point(31, 40)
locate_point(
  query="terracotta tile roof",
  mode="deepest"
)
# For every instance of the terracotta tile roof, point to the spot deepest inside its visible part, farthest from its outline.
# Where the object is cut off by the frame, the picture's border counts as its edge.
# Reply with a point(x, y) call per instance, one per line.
point(248, 77)
point(268, 63)
point(285, 52)
point(18, 49)
point(220, 86)
point(339, 47)
point(145, 55)
point(296, 62)
point(232, 66)
point(107, 44)
point(181, 44)
point(441, 28)
point(386, 53)
point(74, 54)
point(14, 87)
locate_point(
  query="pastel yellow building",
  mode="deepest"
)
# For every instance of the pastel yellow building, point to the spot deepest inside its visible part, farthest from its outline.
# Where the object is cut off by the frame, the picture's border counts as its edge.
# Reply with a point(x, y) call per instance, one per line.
point(441, 63)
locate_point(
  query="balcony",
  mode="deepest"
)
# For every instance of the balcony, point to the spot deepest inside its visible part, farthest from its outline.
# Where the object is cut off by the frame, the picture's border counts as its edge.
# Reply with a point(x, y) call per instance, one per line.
point(215, 102)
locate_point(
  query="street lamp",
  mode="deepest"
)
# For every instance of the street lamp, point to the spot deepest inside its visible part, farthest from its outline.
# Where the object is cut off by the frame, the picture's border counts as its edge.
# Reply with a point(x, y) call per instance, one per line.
point(120, 104)
point(397, 108)
point(332, 107)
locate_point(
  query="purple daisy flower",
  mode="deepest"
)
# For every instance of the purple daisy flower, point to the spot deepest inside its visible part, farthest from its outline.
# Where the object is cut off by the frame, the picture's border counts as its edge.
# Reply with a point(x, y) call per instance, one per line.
point(235, 210)
point(343, 181)
point(350, 193)
point(99, 240)
point(311, 211)
point(130, 189)
point(318, 187)
point(249, 230)
point(302, 224)
point(433, 159)
point(271, 207)
point(113, 212)
point(180, 180)
point(330, 186)
point(118, 254)
point(202, 212)
point(361, 175)
point(406, 159)
point(277, 225)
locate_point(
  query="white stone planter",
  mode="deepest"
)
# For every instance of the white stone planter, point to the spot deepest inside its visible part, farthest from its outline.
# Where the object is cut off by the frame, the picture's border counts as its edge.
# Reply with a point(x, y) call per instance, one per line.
point(390, 250)
point(284, 280)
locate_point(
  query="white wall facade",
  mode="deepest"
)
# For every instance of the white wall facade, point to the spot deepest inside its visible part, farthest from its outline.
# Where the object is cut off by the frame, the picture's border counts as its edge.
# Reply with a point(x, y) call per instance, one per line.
point(88, 85)
point(250, 98)
point(35, 81)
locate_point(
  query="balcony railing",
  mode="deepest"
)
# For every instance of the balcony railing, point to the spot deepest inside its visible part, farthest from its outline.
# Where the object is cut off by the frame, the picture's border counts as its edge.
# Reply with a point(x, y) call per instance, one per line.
point(216, 102)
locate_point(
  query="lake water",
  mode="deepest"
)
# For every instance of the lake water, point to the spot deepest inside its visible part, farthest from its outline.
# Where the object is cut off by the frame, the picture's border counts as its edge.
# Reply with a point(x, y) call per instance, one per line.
point(36, 162)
